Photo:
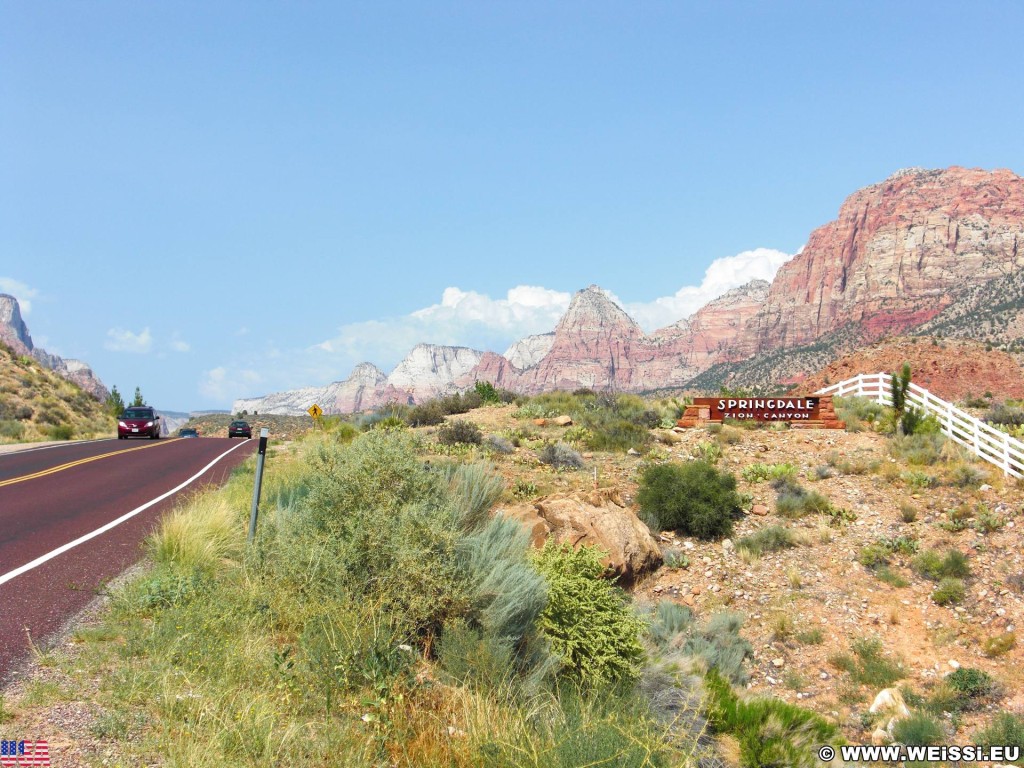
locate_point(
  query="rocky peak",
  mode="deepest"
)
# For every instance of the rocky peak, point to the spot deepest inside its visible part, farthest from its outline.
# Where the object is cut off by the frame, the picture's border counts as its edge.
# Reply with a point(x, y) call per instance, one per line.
point(529, 351)
point(12, 327)
point(367, 373)
point(431, 369)
point(592, 311)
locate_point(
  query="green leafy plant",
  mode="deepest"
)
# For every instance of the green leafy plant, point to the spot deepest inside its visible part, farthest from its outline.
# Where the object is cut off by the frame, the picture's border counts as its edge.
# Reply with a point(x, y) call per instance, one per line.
point(919, 729)
point(587, 620)
point(694, 498)
point(769, 539)
point(950, 591)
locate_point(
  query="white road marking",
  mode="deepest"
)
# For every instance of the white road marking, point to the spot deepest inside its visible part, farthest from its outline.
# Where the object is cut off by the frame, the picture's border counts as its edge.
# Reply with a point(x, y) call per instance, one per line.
point(113, 523)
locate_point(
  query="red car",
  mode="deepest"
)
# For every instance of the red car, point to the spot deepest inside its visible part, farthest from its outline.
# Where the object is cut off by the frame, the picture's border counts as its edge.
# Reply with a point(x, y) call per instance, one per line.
point(138, 421)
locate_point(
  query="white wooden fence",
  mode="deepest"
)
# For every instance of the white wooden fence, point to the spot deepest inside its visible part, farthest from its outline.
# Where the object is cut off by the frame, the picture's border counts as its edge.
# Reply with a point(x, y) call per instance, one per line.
point(990, 444)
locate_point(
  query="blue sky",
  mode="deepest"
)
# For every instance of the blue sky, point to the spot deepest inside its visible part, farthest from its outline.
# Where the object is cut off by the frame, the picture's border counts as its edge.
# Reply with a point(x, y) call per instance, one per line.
point(216, 200)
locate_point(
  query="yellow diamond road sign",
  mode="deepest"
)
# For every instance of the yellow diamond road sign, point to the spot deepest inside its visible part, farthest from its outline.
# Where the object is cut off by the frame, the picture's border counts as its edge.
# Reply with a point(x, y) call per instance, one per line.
point(315, 411)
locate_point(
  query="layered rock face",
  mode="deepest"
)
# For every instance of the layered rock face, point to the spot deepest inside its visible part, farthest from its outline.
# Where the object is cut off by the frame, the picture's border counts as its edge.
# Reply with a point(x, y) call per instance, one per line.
point(363, 390)
point(895, 257)
point(900, 254)
point(14, 333)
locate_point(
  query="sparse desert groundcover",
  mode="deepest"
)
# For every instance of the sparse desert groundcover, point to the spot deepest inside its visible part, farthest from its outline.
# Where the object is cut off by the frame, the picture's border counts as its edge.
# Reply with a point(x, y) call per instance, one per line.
point(385, 617)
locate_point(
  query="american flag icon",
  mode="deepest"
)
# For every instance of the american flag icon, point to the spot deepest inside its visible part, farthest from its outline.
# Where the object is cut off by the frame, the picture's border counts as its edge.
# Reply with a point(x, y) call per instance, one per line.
point(24, 753)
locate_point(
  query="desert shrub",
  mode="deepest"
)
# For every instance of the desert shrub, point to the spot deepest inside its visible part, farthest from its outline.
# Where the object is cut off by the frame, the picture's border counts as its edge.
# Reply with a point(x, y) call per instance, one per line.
point(908, 512)
point(770, 733)
point(499, 444)
point(999, 644)
point(60, 432)
point(923, 449)
point(12, 430)
point(587, 620)
point(1005, 415)
point(867, 665)
point(1006, 728)
point(52, 413)
point(694, 498)
point(613, 433)
point(811, 637)
point(560, 456)
point(793, 500)
point(577, 435)
point(23, 412)
point(859, 413)
point(966, 476)
point(931, 565)
point(673, 630)
point(873, 556)
point(770, 539)
point(890, 577)
point(987, 521)
point(916, 479)
point(459, 431)
point(487, 393)
point(718, 646)
point(390, 422)
point(900, 545)
point(426, 414)
point(505, 594)
point(729, 436)
point(823, 472)
point(975, 684)
point(916, 422)
point(524, 489)
point(919, 729)
point(958, 519)
point(950, 591)
point(473, 489)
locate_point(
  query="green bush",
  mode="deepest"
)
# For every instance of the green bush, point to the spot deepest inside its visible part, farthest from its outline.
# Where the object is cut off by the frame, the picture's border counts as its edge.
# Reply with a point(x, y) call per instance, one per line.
point(919, 729)
point(587, 620)
point(694, 498)
point(975, 684)
point(60, 432)
point(931, 565)
point(1006, 729)
point(950, 591)
point(12, 430)
point(922, 449)
point(868, 666)
point(459, 431)
point(426, 414)
point(999, 644)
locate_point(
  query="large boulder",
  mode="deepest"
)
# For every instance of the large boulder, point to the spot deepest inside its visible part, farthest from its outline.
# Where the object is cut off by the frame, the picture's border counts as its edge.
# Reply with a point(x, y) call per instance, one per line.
point(596, 518)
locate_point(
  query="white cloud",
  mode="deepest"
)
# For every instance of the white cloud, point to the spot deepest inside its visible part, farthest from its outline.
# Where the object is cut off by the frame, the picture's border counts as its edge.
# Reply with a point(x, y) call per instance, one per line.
point(180, 345)
point(20, 291)
point(226, 385)
point(722, 275)
point(463, 318)
point(121, 340)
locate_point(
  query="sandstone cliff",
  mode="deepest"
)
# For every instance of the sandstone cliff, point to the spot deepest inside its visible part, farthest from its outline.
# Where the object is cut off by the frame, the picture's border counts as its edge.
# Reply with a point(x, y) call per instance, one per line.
point(14, 333)
point(895, 257)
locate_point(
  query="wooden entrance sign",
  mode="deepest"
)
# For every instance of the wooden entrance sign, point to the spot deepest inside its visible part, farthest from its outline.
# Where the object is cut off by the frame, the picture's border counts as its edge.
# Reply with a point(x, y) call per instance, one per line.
point(803, 412)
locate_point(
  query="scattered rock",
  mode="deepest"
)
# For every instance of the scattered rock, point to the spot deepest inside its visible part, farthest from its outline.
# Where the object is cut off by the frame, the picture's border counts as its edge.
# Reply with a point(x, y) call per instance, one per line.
point(759, 509)
point(889, 701)
point(596, 518)
point(562, 421)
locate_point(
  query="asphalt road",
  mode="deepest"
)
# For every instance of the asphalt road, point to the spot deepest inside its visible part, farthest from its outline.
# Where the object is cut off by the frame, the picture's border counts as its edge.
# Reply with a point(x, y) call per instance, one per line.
point(52, 497)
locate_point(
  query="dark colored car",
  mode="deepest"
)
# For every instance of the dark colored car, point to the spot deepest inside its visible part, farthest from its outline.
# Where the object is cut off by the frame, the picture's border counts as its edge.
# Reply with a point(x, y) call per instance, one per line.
point(187, 433)
point(239, 429)
point(138, 421)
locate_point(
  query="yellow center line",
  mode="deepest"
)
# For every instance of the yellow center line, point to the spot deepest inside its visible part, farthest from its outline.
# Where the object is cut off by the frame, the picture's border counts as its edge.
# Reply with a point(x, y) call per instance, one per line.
point(70, 464)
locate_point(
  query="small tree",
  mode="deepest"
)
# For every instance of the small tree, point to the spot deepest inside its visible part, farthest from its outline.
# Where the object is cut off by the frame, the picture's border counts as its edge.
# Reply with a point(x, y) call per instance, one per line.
point(900, 385)
point(139, 399)
point(114, 402)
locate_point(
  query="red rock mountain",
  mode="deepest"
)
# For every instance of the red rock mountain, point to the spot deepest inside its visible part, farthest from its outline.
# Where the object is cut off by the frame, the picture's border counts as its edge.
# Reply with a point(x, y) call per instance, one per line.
point(924, 248)
point(895, 257)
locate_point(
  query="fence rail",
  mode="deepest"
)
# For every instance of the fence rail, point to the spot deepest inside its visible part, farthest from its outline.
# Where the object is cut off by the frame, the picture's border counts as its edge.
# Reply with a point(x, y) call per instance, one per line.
point(990, 444)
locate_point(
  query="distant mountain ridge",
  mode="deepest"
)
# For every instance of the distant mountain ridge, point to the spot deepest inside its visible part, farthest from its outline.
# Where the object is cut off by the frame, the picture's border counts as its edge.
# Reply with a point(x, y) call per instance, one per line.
point(923, 251)
point(14, 333)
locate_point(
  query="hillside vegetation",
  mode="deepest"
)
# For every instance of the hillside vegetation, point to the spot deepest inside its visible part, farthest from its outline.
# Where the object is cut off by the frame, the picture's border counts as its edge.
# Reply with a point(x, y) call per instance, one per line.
point(389, 615)
point(37, 404)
